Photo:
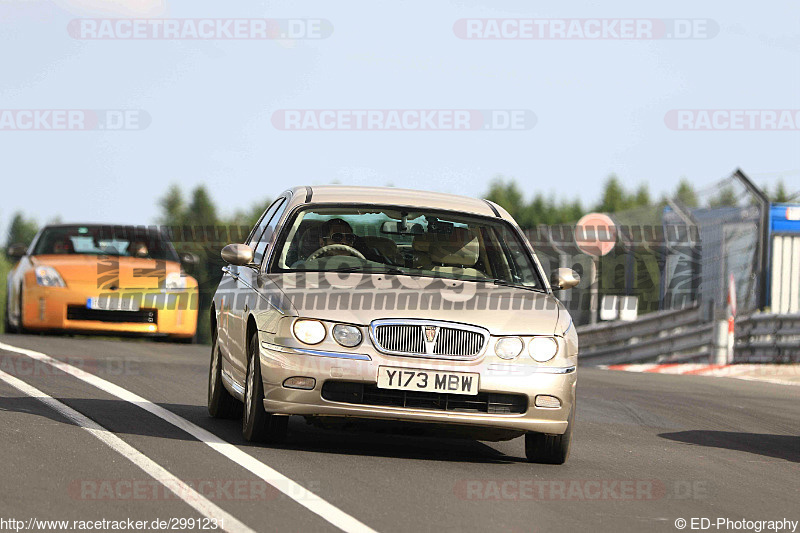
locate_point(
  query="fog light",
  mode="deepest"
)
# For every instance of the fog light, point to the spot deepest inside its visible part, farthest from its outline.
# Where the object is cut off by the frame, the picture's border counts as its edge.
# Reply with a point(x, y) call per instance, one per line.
point(300, 383)
point(543, 400)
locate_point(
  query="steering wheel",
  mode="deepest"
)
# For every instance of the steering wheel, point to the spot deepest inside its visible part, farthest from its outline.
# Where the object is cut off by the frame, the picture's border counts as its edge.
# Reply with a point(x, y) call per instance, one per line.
point(325, 250)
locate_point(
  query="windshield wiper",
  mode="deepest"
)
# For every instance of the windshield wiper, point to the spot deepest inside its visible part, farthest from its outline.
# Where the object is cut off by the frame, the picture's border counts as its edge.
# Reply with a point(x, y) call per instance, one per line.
point(366, 270)
point(506, 283)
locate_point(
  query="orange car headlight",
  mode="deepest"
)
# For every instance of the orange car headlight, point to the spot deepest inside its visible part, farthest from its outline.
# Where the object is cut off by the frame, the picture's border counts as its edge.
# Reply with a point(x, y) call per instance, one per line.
point(48, 277)
point(175, 280)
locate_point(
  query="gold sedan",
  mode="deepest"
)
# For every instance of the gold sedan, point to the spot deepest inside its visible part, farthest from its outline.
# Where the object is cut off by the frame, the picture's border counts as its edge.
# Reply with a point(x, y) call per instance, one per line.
point(365, 303)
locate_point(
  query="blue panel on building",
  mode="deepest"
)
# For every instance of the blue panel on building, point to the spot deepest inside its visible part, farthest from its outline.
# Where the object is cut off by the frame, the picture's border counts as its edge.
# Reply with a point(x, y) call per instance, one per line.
point(785, 218)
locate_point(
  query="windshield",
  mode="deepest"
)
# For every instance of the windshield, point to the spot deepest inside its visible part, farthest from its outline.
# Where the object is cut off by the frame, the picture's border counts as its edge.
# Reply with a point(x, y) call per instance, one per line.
point(392, 240)
point(124, 241)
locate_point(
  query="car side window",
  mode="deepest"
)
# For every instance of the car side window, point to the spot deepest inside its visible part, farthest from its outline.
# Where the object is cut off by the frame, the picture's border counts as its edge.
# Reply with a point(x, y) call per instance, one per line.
point(266, 230)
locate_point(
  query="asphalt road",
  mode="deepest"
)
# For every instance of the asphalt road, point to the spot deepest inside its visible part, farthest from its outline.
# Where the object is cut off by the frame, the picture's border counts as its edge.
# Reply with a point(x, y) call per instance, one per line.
point(648, 449)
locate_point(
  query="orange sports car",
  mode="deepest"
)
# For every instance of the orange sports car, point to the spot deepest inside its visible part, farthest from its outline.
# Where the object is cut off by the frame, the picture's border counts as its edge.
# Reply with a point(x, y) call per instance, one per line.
point(101, 278)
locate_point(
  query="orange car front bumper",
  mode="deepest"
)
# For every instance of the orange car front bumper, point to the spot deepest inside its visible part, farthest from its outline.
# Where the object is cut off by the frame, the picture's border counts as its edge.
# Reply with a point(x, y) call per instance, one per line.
point(172, 312)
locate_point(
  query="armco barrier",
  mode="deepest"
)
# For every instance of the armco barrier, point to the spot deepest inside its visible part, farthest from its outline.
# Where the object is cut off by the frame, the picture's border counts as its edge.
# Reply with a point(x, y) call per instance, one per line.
point(664, 336)
point(767, 338)
point(686, 335)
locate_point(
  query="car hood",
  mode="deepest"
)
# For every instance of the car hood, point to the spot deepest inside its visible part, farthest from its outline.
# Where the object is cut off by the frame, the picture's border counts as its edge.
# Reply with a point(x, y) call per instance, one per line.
point(109, 272)
point(501, 310)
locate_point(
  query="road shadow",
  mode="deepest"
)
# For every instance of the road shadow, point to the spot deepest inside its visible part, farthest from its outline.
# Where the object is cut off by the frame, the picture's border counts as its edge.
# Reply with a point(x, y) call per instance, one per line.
point(779, 446)
point(368, 439)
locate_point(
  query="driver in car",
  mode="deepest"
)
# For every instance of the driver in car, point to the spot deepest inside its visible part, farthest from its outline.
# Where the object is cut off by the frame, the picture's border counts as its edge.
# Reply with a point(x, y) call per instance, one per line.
point(336, 231)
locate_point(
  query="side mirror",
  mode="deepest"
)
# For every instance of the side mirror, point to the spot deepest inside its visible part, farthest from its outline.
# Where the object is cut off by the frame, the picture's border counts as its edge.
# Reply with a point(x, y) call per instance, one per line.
point(15, 251)
point(564, 278)
point(189, 259)
point(237, 254)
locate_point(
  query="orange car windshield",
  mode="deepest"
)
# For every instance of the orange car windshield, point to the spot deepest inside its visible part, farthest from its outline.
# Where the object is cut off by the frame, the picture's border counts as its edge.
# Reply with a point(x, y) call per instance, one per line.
point(104, 240)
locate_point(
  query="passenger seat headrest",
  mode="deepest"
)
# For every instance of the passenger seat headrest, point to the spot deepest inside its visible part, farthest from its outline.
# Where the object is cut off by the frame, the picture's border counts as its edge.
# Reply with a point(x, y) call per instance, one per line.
point(459, 248)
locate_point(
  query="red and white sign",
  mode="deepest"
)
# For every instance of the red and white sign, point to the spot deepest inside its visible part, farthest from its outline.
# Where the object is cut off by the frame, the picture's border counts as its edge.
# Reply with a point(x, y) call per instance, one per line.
point(596, 234)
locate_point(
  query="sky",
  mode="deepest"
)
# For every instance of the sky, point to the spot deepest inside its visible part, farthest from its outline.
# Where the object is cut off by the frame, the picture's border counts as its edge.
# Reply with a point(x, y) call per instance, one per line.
point(210, 105)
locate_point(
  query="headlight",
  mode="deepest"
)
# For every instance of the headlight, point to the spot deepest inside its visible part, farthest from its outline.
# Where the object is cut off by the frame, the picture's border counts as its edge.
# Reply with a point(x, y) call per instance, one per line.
point(48, 277)
point(543, 348)
point(347, 335)
point(508, 347)
point(309, 331)
point(175, 281)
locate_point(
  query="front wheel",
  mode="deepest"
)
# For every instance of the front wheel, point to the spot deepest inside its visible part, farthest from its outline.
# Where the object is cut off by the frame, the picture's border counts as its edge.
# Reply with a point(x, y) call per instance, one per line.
point(7, 327)
point(20, 325)
point(550, 449)
point(221, 404)
point(257, 424)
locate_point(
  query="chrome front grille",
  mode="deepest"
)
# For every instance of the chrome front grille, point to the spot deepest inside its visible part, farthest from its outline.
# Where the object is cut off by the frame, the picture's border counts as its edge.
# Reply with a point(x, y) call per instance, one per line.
point(426, 338)
point(458, 342)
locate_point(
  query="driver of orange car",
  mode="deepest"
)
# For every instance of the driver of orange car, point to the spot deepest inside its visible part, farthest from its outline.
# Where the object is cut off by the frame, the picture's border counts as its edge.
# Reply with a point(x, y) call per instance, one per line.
point(63, 246)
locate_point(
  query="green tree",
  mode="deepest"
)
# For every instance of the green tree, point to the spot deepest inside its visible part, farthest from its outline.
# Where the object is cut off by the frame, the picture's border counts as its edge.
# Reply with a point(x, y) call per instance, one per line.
point(686, 194)
point(614, 196)
point(509, 196)
point(201, 210)
point(248, 217)
point(780, 195)
point(642, 197)
point(726, 196)
point(21, 230)
point(173, 208)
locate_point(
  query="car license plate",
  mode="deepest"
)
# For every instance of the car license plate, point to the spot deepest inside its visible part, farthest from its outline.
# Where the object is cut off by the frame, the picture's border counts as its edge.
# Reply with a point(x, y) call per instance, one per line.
point(427, 380)
point(112, 304)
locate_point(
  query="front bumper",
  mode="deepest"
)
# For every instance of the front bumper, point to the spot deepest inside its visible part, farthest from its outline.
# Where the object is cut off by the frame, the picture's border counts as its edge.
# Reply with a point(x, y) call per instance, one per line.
point(279, 363)
point(47, 308)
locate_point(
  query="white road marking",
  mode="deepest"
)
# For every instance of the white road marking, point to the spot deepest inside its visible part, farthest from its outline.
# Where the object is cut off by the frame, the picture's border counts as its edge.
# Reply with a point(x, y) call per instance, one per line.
point(290, 488)
point(156, 471)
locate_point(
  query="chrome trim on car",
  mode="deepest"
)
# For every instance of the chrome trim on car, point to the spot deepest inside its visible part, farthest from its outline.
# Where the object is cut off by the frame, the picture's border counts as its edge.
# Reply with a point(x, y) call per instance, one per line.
point(315, 353)
point(429, 343)
point(235, 388)
point(529, 369)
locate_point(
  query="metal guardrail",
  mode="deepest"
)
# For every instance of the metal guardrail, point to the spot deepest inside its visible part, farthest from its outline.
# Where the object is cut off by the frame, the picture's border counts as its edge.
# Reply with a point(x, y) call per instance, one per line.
point(686, 335)
point(767, 337)
point(664, 336)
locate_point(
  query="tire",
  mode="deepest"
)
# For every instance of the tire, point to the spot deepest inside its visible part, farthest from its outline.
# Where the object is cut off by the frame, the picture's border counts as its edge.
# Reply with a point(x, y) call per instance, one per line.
point(257, 424)
point(7, 327)
point(184, 340)
point(549, 449)
point(20, 325)
point(221, 403)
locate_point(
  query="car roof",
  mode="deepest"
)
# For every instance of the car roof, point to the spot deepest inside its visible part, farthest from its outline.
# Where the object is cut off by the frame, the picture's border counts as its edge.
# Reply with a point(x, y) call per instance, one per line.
point(346, 194)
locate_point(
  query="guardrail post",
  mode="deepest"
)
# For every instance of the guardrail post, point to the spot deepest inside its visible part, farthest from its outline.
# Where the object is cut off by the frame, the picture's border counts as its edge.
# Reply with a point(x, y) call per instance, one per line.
point(721, 342)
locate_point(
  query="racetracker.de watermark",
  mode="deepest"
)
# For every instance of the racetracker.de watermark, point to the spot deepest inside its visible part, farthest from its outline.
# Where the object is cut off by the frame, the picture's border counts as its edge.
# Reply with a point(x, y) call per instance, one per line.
point(733, 119)
point(199, 29)
point(403, 119)
point(211, 489)
point(73, 119)
point(23, 366)
point(584, 29)
point(526, 490)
